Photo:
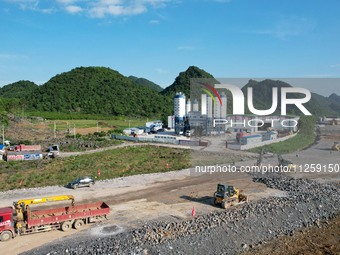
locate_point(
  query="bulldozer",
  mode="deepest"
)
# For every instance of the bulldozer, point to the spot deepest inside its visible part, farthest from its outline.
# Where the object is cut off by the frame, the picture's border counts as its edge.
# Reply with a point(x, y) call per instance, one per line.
point(285, 163)
point(336, 146)
point(227, 195)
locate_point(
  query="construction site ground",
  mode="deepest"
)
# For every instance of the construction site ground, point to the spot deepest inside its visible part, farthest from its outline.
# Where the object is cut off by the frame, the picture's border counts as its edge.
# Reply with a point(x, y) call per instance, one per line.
point(316, 240)
point(137, 200)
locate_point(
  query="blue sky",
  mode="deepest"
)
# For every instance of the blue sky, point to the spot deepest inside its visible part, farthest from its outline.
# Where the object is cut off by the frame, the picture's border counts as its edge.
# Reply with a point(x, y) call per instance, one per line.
point(157, 39)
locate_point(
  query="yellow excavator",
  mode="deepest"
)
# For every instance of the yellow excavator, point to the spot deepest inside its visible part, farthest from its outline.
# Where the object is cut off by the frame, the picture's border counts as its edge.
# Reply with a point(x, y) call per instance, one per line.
point(227, 195)
point(336, 146)
point(22, 206)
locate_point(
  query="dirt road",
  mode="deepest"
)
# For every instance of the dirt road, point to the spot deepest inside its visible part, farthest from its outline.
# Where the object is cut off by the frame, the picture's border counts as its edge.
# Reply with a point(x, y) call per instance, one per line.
point(136, 199)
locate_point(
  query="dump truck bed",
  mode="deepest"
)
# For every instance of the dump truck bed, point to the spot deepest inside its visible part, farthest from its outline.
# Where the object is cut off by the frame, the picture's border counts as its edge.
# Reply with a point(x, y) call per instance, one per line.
point(68, 213)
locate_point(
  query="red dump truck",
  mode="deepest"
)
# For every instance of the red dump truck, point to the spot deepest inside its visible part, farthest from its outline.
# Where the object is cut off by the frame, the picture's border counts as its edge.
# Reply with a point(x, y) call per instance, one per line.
point(21, 220)
point(23, 152)
point(23, 147)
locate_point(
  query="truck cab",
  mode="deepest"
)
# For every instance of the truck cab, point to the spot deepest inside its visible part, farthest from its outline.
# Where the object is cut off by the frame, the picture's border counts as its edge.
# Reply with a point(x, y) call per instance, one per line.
point(6, 224)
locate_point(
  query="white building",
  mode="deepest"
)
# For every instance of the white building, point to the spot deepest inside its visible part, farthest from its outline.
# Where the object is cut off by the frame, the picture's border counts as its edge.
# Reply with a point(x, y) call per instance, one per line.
point(171, 122)
point(156, 124)
point(250, 139)
point(188, 107)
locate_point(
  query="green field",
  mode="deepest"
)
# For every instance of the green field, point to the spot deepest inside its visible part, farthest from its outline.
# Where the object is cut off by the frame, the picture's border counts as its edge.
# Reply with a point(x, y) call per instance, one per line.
point(303, 139)
point(111, 163)
point(112, 124)
point(65, 120)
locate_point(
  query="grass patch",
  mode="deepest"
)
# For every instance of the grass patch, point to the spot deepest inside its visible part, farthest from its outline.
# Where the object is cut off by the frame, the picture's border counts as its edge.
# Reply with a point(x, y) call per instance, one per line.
point(65, 120)
point(63, 125)
point(303, 139)
point(111, 163)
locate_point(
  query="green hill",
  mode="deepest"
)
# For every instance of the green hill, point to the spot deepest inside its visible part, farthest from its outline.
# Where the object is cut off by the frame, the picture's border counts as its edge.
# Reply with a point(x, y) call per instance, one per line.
point(19, 89)
point(334, 103)
point(335, 97)
point(182, 81)
point(100, 90)
point(146, 83)
point(262, 96)
point(97, 90)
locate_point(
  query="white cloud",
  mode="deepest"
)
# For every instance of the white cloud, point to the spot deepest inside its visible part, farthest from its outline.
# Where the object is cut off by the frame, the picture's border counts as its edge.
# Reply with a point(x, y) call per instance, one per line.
point(287, 27)
point(103, 8)
point(67, 2)
point(95, 8)
point(32, 5)
point(73, 9)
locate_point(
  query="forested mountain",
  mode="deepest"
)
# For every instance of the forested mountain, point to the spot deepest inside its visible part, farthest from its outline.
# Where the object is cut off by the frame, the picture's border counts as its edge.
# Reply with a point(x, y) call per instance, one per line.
point(334, 102)
point(182, 81)
point(19, 89)
point(97, 90)
point(335, 97)
point(262, 98)
point(101, 90)
point(146, 83)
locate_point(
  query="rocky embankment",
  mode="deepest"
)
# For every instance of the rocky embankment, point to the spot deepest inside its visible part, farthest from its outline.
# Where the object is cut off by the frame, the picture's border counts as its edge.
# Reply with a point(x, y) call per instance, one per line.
point(223, 232)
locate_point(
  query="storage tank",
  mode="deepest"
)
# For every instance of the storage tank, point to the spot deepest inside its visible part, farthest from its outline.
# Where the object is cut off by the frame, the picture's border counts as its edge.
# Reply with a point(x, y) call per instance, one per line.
point(195, 106)
point(179, 112)
point(224, 105)
point(188, 107)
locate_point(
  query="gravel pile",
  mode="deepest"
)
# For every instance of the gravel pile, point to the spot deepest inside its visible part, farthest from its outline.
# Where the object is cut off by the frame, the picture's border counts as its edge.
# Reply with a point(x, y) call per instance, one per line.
point(224, 232)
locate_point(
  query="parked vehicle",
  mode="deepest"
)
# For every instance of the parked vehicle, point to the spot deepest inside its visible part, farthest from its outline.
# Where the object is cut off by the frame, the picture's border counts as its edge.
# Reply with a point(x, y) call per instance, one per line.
point(81, 182)
point(53, 151)
point(22, 155)
point(22, 152)
point(227, 195)
point(22, 220)
point(23, 147)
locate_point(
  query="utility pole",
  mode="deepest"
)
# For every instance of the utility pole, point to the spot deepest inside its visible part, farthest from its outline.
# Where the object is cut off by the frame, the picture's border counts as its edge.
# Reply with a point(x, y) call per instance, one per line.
point(74, 131)
point(55, 130)
point(3, 134)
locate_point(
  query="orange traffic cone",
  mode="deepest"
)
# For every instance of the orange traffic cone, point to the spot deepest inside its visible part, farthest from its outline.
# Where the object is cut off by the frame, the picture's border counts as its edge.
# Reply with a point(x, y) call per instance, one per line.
point(193, 212)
